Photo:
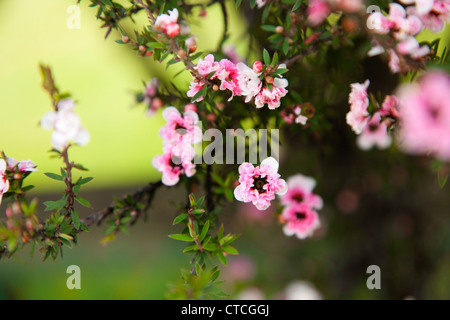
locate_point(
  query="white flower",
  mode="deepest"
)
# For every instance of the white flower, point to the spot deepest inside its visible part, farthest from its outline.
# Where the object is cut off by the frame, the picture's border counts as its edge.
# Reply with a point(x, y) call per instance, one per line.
point(66, 125)
point(249, 81)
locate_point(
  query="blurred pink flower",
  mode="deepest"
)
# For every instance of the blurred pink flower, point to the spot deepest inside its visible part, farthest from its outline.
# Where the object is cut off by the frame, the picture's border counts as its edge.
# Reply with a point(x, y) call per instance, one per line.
point(433, 13)
point(300, 190)
point(259, 184)
point(358, 99)
point(389, 106)
point(301, 220)
point(4, 183)
point(272, 98)
point(168, 23)
point(374, 133)
point(425, 115)
point(318, 11)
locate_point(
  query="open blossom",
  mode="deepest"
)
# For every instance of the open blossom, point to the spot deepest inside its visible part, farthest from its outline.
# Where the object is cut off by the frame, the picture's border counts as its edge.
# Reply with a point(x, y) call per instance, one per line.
point(4, 183)
point(425, 116)
point(172, 166)
point(272, 98)
point(374, 134)
point(397, 22)
point(227, 73)
point(300, 190)
point(389, 107)
point(318, 11)
point(259, 184)
point(301, 220)
point(22, 166)
point(358, 99)
point(248, 81)
point(180, 131)
point(433, 13)
point(411, 47)
point(66, 125)
point(168, 23)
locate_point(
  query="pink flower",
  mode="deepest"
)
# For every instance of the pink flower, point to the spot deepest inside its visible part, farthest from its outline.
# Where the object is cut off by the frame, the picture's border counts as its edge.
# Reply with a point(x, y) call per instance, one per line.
point(272, 98)
point(22, 166)
point(299, 117)
point(358, 99)
point(374, 134)
point(66, 125)
point(411, 47)
point(206, 66)
point(422, 6)
point(4, 183)
point(389, 106)
point(168, 23)
point(257, 66)
point(301, 220)
point(318, 11)
point(300, 190)
point(425, 116)
point(194, 88)
point(394, 61)
point(172, 166)
point(433, 13)
point(259, 184)
point(180, 132)
point(248, 81)
point(228, 73)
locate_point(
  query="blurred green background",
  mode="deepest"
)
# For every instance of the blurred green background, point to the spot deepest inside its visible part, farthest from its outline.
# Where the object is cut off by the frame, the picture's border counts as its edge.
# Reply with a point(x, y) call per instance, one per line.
point(102, 76)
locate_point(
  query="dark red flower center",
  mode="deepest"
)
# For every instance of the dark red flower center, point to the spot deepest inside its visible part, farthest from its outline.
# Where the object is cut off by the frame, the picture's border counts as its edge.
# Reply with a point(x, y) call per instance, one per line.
point(300, 215)
point(259, 183)
point(298, 197)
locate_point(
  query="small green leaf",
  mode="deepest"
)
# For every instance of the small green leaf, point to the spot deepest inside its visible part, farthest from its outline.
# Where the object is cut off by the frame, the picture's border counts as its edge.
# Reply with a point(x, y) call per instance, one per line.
point(75, 219)
point(222, 258)
point(54, 176)
point(268, 27)
point(231, 250)
point(83, 201)
point(181, 237)
point(266, 57)
point(274, 59)
point(84, 180)
point(205, 230)
point(286, 45)
point(296, 5)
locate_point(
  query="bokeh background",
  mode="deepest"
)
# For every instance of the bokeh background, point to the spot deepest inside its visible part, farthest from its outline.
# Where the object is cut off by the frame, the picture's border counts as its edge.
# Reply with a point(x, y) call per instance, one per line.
point(381, 208)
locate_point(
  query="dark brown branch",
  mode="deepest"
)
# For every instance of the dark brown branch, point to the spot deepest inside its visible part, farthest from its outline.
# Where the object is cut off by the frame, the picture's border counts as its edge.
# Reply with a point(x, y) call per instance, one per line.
point(149, 191)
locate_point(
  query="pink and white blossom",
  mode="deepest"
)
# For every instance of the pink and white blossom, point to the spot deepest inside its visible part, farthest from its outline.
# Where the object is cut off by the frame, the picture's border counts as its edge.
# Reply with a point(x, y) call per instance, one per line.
point(301, 220)
point(4, 183)
point(358, 99)
point(318, 11)
point(66, 126)
point(425, 116)
point(248, 81)
point(167, 23)
point(300, 190)
point(22, 166)
point(374, 134)
point(433, 13)
point(259, 184)
point(272, 97)
point(389, 107)
point(172, 166)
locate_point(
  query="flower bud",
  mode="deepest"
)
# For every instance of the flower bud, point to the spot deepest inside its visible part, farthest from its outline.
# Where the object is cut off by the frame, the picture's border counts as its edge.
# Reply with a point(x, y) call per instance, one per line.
point(149, 53)
point(279, 29)
point(211, 117)
point(190, 107)
point(257, 66)
point(125, 39)
point(182, 53)
point(269, 79)
point(191, 44)
point(215, 87)
point(17, 176)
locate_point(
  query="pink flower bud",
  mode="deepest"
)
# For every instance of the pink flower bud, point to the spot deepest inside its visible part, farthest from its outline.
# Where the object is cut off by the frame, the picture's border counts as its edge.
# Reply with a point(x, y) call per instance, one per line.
point(190, 107)
point(172, 30)
point(257, 66)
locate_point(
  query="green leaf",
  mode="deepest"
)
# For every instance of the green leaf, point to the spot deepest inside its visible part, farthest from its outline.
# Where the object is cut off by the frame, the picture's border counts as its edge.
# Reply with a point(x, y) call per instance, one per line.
point(238, 3)
point(200, 201)
point(80, 167)
point(229, 249)
point(181, 237)
point(266, 57)
point(296, 5)
point(274, 59)
point(75, 219)
point(65, 236)
point(222, 258)
point(442, 178)
point(54, 176)
point(179, 219)
point(190, 248)
point(64, 173)
point(83, 201)
point(205, 230)
point(154, 45)
point(286, 45)
point(84, 180)
point(268, 27)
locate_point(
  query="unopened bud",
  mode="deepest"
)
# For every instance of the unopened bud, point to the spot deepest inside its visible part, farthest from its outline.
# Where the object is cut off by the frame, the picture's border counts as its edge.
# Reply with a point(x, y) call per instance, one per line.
point(279, 29)
point(257, 66)
point(142, 48)
point(203, 13)
point(269, 79)
point(17, 176)
point(215, 87)
point(190, 107)
point(182, 53)
point(149, 53)
point(211, 117)
point(125, 39)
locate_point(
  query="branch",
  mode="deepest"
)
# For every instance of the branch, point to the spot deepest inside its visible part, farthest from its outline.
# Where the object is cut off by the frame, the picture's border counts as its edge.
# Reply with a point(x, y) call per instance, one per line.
point(99, 216)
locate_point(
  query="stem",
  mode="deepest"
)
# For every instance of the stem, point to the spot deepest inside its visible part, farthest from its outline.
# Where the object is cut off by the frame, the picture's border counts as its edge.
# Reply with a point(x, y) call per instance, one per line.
point(69, 165)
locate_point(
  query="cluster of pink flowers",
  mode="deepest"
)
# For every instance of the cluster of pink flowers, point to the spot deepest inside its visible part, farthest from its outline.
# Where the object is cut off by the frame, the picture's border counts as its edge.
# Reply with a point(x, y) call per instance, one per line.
point(433, 13)
point(179, 135)
point(403, 24)
point(300, 203)
point(22, 166)
point(153, 102)
point(293, 115)
point(319, 10)
point(259, 184)
point(4, 183)
point(424, 113)
point(372, 130)
point(66, 125)
point(240, 80)
point(168, 24)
